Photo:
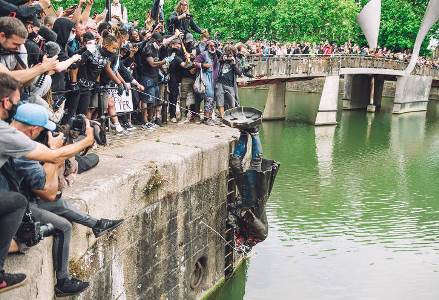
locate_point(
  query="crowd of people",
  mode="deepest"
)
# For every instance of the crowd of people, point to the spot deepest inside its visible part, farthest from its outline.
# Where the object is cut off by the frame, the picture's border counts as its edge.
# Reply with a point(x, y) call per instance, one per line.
point(64, 71)
point(60, 67)
point(327, 48)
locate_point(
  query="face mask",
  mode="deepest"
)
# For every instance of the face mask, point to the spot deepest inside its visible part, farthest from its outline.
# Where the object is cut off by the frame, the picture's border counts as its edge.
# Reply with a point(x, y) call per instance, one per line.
point(91, 47)
point(71, 37)
point(12, 112)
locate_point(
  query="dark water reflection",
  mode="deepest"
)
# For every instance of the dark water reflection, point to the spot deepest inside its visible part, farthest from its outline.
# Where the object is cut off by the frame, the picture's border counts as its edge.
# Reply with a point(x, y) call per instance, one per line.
point(355, 210)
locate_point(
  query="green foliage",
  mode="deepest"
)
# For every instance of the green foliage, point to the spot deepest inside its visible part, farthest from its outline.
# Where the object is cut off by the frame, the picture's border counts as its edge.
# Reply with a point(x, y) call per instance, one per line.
point(295, 20)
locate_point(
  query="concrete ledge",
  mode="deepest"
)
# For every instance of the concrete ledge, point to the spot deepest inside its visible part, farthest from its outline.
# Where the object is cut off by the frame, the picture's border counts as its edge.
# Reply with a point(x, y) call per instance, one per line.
point(152, 254)
point(402, 108)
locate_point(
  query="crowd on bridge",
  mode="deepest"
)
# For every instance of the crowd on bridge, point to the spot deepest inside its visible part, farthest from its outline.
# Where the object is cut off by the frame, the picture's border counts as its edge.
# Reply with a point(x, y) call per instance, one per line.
point(326, 49)
point(60, 69)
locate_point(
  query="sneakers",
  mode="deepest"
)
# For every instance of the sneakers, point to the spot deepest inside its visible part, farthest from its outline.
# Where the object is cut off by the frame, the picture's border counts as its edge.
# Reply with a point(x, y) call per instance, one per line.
point(128, 126)
point(119, 129)
point(70, 287)
point(11, 281)
point(173, 120)
point(104, 225)
point(148, 126)
point(208, 122)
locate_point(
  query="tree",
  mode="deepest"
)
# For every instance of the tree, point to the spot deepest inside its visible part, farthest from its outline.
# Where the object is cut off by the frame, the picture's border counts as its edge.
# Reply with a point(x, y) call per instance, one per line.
point(296, 20)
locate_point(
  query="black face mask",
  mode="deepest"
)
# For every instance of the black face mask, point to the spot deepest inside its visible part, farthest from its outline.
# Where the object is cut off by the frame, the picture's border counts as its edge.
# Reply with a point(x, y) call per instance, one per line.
point(12, 112)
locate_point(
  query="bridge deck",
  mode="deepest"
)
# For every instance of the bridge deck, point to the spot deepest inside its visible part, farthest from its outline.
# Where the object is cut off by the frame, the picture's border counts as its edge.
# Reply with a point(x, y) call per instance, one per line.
point(290, 68)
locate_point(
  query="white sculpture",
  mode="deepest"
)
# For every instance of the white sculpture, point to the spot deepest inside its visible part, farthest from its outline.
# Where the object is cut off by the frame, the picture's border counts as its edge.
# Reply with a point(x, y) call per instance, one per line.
point(430, 18)
point(369, 20)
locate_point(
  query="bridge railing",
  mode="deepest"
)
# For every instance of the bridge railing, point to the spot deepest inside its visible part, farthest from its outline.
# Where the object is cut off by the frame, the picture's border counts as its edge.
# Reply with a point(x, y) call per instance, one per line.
point(324, 65)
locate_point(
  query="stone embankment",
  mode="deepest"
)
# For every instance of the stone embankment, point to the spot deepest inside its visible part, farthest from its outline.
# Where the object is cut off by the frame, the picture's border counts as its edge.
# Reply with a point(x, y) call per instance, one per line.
point(164, 185)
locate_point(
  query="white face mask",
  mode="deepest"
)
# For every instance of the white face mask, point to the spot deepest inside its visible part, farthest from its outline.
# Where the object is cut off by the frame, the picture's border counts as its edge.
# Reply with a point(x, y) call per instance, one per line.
point(91, 47)
point(71, 37)
point(156, 45)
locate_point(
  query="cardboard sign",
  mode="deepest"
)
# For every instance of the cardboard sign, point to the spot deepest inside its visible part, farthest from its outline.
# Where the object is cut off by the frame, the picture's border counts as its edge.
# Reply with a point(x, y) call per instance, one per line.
point(123, 103)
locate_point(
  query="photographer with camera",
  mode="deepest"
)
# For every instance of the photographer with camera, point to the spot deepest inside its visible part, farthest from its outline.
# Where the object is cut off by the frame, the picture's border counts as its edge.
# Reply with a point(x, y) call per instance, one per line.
point(40, 184)
point(13, 57)
point(226, 89)
point(15, 144)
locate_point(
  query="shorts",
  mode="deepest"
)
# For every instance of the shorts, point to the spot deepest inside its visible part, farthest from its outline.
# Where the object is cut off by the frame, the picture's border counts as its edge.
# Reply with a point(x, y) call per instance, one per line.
point(225, 96)
point(105, 97)
point(151, 94)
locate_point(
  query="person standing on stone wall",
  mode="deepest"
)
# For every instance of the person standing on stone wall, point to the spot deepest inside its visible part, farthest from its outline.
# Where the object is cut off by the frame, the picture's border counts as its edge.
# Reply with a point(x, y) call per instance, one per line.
point(208, 64)
point(226, 95)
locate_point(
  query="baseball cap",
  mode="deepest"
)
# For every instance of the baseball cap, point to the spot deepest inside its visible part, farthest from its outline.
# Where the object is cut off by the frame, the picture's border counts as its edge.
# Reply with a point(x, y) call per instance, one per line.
point(34, 115)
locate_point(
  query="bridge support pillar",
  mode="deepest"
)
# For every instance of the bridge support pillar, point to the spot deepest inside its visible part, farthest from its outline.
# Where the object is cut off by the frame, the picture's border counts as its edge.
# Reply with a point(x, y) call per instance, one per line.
point(356, 91)
point(275, 105)
point(327, 113)
point(376, 93)
point(412, 94)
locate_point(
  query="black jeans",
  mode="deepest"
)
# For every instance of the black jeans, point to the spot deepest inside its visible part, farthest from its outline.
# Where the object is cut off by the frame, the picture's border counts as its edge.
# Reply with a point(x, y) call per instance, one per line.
point(12, 208)
point(60, 214)
point(61, 239)
point(173, 97)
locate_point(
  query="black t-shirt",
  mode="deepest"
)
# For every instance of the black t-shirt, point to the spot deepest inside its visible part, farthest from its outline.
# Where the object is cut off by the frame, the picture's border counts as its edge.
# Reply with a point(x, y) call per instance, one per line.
point(105, 79)
point(145, 70)
point(59, 78)
point(92, 65)
point(227, 74)
point(175, 69)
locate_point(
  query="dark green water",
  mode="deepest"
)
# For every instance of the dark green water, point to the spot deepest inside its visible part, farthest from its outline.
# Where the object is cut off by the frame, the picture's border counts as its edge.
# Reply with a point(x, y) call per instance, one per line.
point(355, 210)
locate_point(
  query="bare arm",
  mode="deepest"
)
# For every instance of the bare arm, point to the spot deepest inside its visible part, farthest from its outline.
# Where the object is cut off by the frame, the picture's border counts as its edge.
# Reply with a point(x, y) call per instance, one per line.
point(86, 13)
point(52, 184)
point(78, 12)
point(64, 65)
point(154, 64)
point(166, 41)
point(28, 75)
point(111, 74)
point(47, 7)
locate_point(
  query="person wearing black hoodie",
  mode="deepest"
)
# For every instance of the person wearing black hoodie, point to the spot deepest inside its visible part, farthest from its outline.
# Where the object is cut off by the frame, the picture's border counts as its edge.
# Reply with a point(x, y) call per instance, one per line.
point(64, 28)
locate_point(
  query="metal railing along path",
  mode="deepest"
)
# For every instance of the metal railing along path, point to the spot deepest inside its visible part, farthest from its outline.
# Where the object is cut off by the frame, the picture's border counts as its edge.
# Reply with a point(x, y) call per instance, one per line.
point(290, 66)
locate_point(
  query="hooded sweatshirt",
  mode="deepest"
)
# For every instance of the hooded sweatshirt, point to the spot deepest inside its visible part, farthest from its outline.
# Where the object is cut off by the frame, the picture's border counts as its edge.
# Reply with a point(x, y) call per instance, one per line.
point(63, 27)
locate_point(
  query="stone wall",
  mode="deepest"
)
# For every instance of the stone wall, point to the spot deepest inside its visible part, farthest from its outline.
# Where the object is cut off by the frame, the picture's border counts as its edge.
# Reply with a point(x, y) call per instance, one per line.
point(165, 186)
point(316, 86)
